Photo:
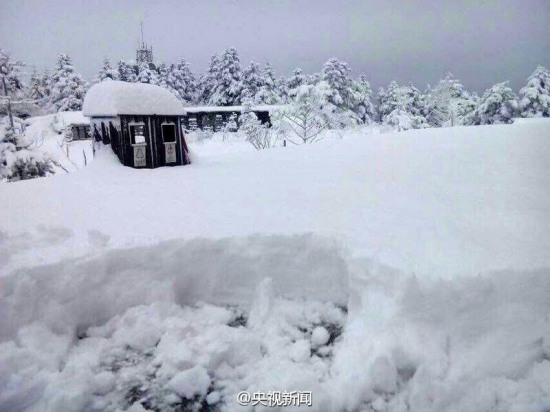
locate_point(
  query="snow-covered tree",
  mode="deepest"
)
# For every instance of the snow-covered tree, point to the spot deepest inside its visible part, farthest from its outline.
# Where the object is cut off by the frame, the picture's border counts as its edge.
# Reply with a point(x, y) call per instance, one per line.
point(401, 107)
point(499, 104)
point(127, 72)
point(362, 104)
point(185, 82)
point(224, 80)
point(67, 87)
point(337, 75)
point(448, 103)
point(10, 83)
point(297, 79)
point(147, 75)
point(251, 82)
point(535, 96)
point(107, 72)
point(36, 89)
point(307, 115)
point(167, 78)
point(268, 93)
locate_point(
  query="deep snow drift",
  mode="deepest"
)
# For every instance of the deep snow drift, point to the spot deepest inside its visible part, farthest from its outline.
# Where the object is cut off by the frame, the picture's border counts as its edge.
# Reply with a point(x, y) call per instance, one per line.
point(392, 272)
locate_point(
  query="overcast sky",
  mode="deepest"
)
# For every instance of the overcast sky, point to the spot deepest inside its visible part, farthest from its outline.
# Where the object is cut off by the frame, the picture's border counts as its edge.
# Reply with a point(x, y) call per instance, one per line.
point(481, 42)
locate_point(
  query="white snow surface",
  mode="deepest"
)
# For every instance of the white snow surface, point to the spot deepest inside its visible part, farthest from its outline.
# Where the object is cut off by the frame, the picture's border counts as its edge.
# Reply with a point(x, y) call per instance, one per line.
point(422, 255)
point(112, 98)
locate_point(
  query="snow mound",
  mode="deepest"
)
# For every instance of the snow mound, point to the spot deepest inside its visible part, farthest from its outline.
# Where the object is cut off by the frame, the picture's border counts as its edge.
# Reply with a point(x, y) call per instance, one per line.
point(73, 294)
point(112, 98)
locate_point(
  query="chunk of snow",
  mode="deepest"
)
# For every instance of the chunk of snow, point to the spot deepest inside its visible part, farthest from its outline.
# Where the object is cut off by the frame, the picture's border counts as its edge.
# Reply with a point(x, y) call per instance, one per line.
point(319, 336)
point(113, 98)
point(191, 382)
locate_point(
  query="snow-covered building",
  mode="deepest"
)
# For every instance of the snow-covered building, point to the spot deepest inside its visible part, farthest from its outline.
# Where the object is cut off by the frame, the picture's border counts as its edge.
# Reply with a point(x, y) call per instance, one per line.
point(216, 117)
point(141, 122)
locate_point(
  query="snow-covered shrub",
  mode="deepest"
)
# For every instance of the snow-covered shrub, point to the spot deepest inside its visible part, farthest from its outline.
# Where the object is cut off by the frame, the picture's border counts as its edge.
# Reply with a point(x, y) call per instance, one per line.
point(498, 105)
point(535, 96)
point(259, 135)
point(18, 162)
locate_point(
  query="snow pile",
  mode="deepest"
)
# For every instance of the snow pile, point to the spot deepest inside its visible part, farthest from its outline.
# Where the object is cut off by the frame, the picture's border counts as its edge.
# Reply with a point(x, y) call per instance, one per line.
point(112, 98)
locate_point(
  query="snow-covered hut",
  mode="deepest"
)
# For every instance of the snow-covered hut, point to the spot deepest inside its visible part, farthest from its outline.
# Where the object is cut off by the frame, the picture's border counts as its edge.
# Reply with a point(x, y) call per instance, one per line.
point(141, 122)
point(215, 117)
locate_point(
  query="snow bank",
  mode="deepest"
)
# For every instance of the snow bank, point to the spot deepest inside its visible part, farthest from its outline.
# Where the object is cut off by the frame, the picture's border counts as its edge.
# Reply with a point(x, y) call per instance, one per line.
point(77, 293)
point(111, 98)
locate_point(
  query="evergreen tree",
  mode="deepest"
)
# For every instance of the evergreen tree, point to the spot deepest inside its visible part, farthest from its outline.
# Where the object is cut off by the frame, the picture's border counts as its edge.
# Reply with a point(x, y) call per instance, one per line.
point(167, 78)
point(499, 104)
point(252, 81)
point(67, 87)
point(337, 76)
point(10, 72)
point(127, 72)
point(535, 96)
point(297, 79)
point(448, 103)
point(106, 72)
point(268, 92)
point(362, 105)
point(225, 80)
point(186, 84)
point(36, 89)
point(147, 75)
point(401, 107)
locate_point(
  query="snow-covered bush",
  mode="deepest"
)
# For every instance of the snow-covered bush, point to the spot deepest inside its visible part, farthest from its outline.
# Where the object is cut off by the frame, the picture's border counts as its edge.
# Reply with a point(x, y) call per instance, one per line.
point(18, 162)
point(259, 135)
point(535, 96)
point(498, 105)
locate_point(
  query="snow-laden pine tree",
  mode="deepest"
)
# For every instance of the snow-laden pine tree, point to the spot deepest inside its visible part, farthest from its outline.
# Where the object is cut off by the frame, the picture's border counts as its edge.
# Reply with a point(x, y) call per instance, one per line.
point(535, 96)
point(10, 76)
point(107, 72)
point(147, 75)
point(401, 107)
point(337, 75)
point(127, 72)
point(167, 78)
point(225, 79)
point(252, 80)
point(185, 82)
point(36, 89)
point(67, 87)
point(362, 104)
point(268, 93)
point(297, 79)
point(498, 105)
point(448, 103)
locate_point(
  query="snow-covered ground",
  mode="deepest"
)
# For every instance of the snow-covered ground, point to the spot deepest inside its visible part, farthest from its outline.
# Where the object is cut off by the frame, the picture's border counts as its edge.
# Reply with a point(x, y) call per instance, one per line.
point(399, 271)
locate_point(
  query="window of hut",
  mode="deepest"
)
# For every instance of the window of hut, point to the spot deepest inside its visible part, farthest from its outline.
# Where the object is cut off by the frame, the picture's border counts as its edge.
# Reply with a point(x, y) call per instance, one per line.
point(169, 132)
point(137, 133)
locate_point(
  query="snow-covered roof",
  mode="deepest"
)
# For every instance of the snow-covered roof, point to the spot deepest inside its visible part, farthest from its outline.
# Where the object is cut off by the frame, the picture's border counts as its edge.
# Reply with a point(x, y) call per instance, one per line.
point(212, 109)
point(112, 98)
